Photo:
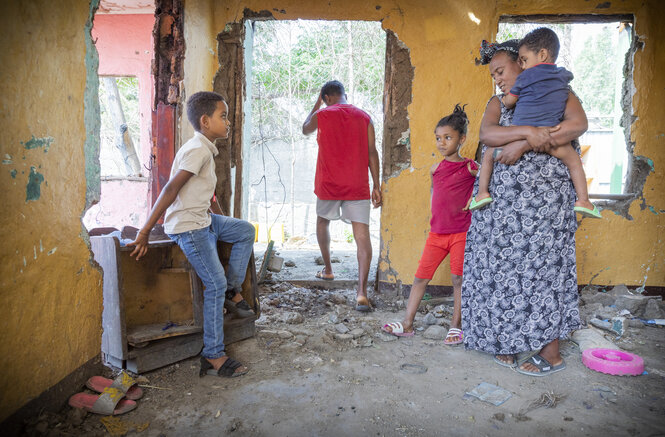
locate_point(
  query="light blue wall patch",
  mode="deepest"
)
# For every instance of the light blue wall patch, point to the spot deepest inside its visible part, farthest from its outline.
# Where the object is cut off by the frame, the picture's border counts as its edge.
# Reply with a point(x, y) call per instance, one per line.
point(33, 189)
point(34, 143)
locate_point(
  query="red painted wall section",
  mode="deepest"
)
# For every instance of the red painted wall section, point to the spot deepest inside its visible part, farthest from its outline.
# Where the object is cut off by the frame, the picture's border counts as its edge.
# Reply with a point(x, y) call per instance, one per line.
point(125, 46)
point(124, 43)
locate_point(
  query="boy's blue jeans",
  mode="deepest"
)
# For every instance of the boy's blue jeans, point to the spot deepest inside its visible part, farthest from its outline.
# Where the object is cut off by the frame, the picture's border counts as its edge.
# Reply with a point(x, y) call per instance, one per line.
point(200, 248)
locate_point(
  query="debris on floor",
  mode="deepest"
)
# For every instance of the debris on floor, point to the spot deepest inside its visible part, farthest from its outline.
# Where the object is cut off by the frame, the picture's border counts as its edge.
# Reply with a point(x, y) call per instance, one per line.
point(548, 399)
point(317, 366)
point(119, 427)
point(491, 393)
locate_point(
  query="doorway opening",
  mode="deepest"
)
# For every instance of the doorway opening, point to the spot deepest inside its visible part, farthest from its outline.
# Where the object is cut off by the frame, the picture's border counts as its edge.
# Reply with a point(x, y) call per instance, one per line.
point(290, 61)
point(286, 65)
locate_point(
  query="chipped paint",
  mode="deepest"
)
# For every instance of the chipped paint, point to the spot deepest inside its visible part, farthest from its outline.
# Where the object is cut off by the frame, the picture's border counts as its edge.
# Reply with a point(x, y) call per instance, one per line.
point(13, 173)
point(52, 251)
point(91, 115)
point(33, 189)
point(7, 160)
point(35, 143)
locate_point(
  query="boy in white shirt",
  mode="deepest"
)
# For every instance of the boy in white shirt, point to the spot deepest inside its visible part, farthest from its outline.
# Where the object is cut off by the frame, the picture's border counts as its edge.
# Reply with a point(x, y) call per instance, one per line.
point(186, 199)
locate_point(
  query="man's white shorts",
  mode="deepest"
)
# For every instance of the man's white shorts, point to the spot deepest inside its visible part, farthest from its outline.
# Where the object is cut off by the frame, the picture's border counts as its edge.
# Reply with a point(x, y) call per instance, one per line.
point(347, 210)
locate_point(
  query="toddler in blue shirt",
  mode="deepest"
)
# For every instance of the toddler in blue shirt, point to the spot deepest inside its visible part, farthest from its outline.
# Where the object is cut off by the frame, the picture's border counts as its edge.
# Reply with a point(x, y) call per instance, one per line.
point(540, 92)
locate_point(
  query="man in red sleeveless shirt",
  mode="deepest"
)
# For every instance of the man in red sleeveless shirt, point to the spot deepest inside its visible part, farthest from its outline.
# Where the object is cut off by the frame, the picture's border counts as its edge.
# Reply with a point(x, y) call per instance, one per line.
point(346, 149)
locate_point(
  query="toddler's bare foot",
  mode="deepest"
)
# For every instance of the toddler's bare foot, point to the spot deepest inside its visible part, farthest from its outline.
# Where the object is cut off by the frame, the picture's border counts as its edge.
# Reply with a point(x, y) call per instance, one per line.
point(482, 195)
point(584, 204)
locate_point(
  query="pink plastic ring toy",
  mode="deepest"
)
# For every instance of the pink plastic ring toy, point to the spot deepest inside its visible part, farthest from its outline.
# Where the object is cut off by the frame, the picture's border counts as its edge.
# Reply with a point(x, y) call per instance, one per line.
point(613, 362)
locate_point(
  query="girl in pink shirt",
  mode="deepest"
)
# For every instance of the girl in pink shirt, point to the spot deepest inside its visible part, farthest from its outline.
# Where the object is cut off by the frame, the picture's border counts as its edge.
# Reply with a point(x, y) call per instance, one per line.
point(452, 184)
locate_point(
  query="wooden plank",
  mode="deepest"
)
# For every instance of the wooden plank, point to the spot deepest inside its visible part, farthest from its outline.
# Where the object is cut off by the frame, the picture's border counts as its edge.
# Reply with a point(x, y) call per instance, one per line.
point(139, 334)
point(196, 287)
point(106, 254)
point(151, 245)
point(152, 296)
point(250, 288)
point(167, 351)
point(567, 18)
point(266, 261)
point(230, 82)
point(174, 270)
point(164, 119)
point(164, 352)
point(238, 329)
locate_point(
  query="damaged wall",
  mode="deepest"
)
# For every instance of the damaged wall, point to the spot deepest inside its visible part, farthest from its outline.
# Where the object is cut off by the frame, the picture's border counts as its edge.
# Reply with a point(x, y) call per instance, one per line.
point(443, 38)
point(200, 64)
point(617, 249)
point(51, 294)
point(124, 44)
point(51, 303)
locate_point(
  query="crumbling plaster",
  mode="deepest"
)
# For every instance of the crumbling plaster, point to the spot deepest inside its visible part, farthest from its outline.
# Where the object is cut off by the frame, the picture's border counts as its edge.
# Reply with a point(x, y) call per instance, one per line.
point(443, 38)
point(50, 291)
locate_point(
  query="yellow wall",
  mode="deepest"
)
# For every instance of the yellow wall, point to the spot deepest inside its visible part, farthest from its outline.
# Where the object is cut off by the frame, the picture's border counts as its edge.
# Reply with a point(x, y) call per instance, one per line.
point(50, 294)
point(50, 298)
point(200, 54)
point(443, 41)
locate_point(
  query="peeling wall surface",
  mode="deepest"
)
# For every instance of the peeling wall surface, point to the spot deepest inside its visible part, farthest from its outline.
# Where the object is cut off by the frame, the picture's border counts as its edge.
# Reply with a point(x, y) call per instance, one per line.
point(50, 298)
point(124, 43)
point(443, 39)
point(200, 63)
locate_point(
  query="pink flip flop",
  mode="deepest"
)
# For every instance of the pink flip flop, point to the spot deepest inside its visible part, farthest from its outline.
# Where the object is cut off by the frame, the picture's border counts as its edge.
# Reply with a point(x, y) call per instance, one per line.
point(397, 329)
point(108, 403)
point(613, 362)
point(99, 383)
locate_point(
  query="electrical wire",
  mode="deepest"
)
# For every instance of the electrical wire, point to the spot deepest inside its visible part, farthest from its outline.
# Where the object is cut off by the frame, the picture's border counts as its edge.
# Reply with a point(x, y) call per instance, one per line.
point(264, 147)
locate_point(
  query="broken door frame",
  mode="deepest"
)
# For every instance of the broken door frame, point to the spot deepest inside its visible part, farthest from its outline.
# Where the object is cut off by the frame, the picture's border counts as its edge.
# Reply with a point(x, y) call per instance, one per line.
point(168, 72)
point(234, 45)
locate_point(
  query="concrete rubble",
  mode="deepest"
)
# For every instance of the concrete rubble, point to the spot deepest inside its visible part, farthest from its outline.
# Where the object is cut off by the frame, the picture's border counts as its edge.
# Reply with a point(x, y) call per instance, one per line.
point(313, 351)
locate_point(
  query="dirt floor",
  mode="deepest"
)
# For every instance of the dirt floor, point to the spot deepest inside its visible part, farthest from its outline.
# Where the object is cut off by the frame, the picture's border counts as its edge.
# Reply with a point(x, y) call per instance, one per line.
point(319, 368)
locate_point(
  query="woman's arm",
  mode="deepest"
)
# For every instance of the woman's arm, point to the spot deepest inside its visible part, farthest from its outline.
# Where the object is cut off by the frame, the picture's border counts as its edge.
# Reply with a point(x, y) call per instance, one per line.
point(494, 135)
point(512, 152)
point(574, 122)
point(541, 139)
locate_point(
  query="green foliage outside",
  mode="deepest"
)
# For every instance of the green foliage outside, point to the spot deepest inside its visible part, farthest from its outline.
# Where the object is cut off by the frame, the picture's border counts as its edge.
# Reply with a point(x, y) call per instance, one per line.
point(348, 236)
point(293, 59)
point(128, 88)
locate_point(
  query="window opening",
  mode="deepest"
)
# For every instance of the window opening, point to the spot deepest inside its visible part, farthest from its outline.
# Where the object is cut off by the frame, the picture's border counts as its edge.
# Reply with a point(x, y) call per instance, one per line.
point(122, 35)
point(598, 53)
point(119, 135)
